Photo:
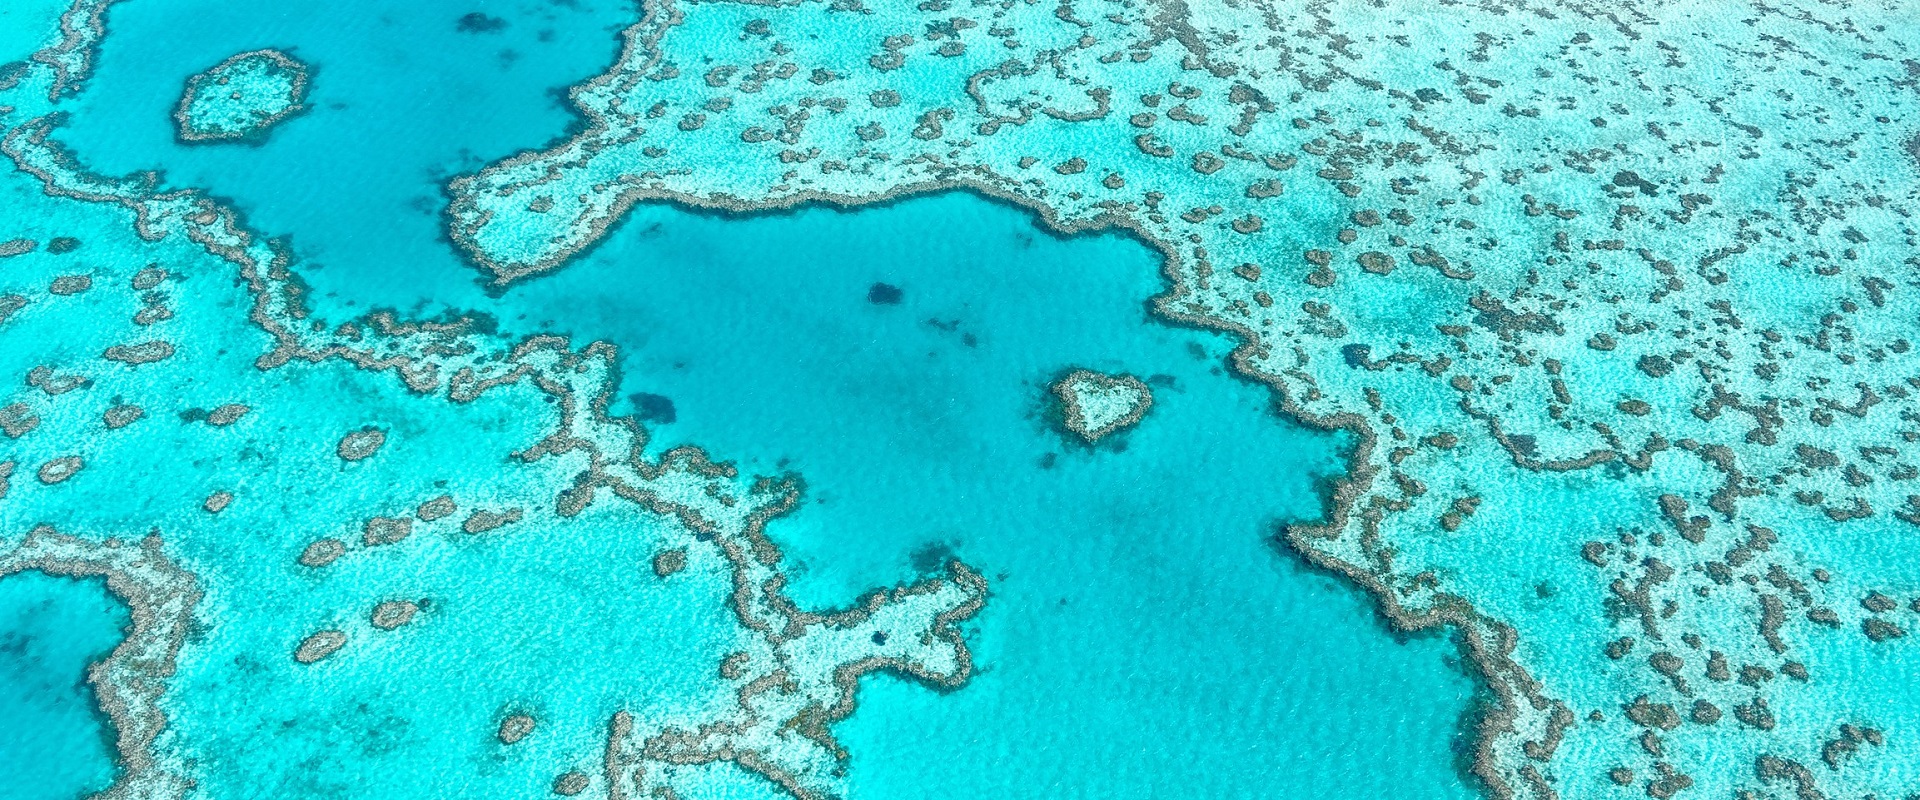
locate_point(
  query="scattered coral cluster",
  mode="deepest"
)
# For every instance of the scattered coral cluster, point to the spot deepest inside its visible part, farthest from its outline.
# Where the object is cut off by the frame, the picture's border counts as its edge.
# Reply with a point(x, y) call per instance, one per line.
point(1611, 295)
point(288, 522)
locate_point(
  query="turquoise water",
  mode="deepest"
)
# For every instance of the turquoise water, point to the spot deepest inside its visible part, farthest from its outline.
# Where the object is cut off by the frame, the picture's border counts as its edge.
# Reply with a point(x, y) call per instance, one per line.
point(1619, 372)
point(56, 745)
point(26, 27)
point(919, 430)
point(401, 98)
point(919, 427)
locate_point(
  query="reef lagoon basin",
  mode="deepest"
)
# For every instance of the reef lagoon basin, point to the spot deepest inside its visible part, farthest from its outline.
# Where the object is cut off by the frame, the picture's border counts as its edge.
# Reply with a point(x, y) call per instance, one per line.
point(939, 399)
point(56, 628)
point(924, 428)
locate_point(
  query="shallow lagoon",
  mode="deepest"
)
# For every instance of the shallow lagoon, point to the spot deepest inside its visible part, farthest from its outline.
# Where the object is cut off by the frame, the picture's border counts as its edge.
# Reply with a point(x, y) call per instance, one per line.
point(55, 744)
point(1145, 635)
point(402, 97)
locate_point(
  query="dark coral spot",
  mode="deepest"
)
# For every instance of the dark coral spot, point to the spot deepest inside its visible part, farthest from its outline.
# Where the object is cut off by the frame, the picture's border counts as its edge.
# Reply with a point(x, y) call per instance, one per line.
point(1627, 177)
point(652, 408)
point(476, 22)
point(931, 556)
point(11, 73)
point(884, 294)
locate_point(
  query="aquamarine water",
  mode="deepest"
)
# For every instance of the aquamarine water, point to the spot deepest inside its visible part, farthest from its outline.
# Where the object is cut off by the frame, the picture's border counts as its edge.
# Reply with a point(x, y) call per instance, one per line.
point(407, 100)
point(1571, 339)
point(948, 386)
point(55, 744)
point(920, 429)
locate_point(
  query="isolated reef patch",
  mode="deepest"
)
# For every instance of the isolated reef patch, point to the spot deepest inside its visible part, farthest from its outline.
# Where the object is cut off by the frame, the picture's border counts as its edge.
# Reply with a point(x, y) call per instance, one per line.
point(242, 98)
point(1613, 299)
point(1095, 405)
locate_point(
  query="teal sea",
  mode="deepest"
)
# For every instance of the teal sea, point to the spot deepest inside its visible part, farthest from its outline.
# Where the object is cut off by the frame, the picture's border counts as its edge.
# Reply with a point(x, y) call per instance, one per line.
point(670, 400)
point(1145, 636)
point(55, 744)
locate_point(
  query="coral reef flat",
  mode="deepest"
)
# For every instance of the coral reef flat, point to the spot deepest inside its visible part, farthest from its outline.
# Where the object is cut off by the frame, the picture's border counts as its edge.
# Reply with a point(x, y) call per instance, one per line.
point(1094, 405)
point(873, 399)
point(242, 98)
point(954, 455)
point(402, 100)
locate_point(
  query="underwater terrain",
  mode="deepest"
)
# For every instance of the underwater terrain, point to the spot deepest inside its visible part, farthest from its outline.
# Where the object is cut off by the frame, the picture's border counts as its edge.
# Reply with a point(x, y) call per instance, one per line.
point(875, 399)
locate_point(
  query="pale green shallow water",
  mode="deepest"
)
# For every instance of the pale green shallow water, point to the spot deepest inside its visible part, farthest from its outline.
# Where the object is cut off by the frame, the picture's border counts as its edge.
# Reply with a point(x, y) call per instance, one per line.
point(1633, 355)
